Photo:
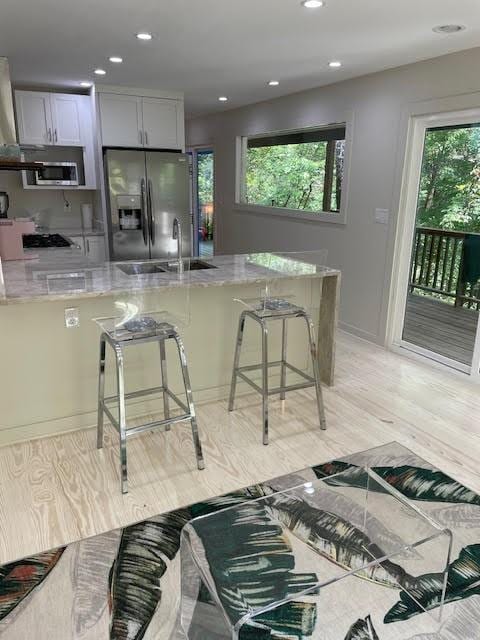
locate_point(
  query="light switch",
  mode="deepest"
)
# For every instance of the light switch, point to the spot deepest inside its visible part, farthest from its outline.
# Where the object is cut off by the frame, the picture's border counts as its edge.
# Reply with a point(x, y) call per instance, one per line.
point(72, 318)
point(382, 216)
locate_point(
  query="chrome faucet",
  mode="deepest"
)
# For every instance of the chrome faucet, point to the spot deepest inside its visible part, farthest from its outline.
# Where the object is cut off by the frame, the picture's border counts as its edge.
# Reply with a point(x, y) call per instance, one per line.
point(177, 235)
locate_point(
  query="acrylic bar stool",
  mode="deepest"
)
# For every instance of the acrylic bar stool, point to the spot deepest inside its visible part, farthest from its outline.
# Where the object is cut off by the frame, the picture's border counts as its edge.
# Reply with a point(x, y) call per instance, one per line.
point(262, 312)
point(145, 329)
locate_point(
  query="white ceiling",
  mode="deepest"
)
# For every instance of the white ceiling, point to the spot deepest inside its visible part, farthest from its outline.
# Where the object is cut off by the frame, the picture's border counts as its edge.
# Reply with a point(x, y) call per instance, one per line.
point(208, 48)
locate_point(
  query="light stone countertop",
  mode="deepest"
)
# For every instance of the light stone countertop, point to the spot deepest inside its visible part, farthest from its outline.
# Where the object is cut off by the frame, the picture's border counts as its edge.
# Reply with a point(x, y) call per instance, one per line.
point(61, 275)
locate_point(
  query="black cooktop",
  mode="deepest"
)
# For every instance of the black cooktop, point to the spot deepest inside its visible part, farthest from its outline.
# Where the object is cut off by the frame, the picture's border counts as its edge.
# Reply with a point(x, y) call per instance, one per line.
point(44, 241)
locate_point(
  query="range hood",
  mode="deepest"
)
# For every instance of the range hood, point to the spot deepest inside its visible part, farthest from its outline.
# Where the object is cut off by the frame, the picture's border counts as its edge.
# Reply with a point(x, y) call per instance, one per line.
point(10, 152)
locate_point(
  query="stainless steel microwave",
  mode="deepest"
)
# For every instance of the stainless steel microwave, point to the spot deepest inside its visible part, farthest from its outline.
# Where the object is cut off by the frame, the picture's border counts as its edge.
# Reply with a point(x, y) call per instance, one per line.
point(57, 173)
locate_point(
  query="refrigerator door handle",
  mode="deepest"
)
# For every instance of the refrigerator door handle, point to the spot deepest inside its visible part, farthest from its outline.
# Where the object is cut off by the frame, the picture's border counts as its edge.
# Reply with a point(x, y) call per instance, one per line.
point(145, 223)
point(150, 213)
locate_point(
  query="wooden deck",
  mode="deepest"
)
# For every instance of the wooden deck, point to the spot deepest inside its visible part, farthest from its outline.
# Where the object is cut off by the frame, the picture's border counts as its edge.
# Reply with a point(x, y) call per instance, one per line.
point(441, 328)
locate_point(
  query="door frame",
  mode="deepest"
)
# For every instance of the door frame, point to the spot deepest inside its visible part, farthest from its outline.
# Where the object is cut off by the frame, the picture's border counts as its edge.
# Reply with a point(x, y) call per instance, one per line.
point(407, 217)
point(194, 149)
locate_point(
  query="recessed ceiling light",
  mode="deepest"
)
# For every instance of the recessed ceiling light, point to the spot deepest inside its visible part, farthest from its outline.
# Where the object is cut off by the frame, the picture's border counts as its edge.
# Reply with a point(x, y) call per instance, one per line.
point(313, 4)
point(223, 98)
point(143, 35)
point(100, 72)
point(449, 28)
point(334, 64)
point(273, 83)
point(116, 59)
point(85, 84)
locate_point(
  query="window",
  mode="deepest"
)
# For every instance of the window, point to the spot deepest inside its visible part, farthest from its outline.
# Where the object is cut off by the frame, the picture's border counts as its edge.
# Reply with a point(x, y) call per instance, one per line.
point(301, 171)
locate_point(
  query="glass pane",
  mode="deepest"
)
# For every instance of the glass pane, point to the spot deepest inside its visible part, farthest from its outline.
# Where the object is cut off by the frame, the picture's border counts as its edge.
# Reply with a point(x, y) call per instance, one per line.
point(304, 176)
point(205, 200)
point(444, 292)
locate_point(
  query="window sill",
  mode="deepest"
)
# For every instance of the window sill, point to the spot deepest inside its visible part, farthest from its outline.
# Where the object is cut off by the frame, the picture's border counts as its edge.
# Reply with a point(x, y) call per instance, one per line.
point(293, 214)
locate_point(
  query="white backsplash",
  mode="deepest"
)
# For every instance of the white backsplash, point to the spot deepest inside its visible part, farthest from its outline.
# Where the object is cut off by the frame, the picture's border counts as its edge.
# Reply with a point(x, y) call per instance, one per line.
point(46, 206)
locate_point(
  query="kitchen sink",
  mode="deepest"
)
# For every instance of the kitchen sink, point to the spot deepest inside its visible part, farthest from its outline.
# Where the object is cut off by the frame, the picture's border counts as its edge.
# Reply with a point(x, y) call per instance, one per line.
point(140, 268)
point(148, 268)
point(188, 265)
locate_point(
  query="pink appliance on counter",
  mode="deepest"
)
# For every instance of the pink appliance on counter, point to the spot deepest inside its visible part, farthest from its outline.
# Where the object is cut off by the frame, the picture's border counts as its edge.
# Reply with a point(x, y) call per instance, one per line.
point(11, 244)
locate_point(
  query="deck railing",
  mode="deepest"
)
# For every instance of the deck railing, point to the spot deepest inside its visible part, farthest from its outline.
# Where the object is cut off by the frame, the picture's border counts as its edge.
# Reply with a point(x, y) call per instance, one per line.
point(437, 266)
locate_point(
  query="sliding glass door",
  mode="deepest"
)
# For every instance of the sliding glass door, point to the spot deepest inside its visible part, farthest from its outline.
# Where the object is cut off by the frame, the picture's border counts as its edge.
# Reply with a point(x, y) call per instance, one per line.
point(203, 200)
point(443, 298)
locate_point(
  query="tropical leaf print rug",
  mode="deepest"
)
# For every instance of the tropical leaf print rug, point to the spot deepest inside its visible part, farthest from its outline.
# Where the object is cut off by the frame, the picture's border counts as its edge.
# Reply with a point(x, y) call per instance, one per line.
point(125, 584)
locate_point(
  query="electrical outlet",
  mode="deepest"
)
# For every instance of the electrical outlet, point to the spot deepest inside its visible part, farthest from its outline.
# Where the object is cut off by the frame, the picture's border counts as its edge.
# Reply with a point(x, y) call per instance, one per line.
point(72, 318)
point(67, 207)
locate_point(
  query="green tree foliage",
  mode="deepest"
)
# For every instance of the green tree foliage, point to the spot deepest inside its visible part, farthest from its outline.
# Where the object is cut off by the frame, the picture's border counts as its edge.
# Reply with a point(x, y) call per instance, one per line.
point(205, 178)
point(449, 196)
point(290, 175)
point(205, 190)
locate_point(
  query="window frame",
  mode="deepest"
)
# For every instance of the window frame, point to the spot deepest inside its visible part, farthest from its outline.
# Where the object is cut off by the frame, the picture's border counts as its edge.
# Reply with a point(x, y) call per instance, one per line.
point(333, 217)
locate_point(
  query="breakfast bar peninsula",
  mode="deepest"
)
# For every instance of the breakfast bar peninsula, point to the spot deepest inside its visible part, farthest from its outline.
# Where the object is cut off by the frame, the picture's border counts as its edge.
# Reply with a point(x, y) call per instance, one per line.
point(49, 342)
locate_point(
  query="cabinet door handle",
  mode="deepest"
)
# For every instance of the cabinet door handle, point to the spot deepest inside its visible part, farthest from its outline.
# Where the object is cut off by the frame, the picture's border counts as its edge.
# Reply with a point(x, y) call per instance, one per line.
point(88, 245)
point(56, 137)
point(146, 139)
point(140, 137)
point(49, 135)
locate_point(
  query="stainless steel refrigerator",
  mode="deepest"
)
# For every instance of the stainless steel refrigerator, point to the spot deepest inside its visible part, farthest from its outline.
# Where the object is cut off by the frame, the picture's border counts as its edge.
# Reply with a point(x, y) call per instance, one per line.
point(147, 190)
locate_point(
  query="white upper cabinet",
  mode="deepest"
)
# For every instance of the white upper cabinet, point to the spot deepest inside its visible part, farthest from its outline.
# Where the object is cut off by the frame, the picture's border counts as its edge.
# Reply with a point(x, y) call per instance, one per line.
point(49, 118)
point(34, 117)
point(58, 120)
point(141, 122)
point(160, 123)
point(121, 120)
point(66, 120)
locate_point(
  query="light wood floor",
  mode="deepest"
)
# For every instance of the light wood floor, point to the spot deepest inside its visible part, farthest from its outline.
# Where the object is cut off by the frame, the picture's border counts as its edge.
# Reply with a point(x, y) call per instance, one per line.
point(60, 489)
point(440, 327)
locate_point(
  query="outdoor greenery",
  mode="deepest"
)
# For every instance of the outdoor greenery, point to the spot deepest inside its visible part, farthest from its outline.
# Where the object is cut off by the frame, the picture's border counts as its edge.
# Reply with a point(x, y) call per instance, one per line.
point(205, 192)
point(205, 177)
point(291, 176)
point(449, 196)
point(449, 199)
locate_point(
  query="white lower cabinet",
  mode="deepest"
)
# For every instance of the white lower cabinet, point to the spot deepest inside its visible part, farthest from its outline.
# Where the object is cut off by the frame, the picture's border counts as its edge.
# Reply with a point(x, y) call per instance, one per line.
point(95, 248)
point(78, 240)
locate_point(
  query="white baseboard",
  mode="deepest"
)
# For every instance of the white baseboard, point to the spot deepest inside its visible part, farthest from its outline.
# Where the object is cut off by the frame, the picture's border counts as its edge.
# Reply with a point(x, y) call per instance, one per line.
point(361, 333)
point(136, 410)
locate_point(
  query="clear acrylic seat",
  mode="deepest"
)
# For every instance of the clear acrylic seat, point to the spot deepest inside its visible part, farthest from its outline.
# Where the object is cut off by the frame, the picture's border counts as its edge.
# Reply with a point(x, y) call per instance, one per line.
point(310, 561)
point(277, 294)
point(134, 325)
point(138, 324)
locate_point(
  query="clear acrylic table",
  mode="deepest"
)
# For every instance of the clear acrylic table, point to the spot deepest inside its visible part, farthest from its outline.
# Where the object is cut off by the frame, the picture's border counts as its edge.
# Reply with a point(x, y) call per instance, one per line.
point(277, 565)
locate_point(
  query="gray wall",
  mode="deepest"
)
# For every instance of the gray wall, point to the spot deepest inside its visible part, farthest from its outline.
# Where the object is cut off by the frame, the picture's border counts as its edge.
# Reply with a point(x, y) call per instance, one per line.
point(361, 248)
point(45, 204)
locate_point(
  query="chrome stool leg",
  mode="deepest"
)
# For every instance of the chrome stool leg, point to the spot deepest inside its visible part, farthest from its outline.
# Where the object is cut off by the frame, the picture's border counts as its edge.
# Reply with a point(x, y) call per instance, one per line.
point(191, 406)
point(122, 425)
point(316, 371)
point(264, 380)
point(101, 391)
point(283, 370)
point(236, 362)
point(163, 368)
point(263, 317)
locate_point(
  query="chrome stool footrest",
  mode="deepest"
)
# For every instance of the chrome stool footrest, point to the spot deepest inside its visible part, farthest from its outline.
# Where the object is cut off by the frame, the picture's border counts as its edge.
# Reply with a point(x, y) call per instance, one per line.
point(120, 398)
point(261, 317)
point(310, 380)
